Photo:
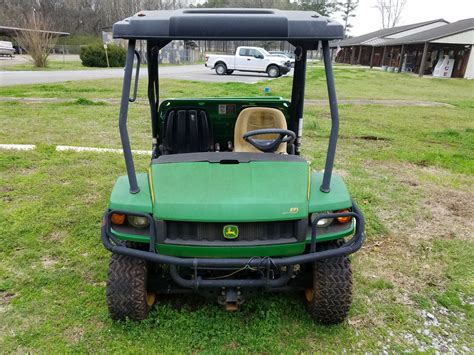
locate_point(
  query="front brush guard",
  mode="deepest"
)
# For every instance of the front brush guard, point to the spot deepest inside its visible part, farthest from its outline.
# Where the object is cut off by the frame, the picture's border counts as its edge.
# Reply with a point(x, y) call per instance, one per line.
point(349, 247)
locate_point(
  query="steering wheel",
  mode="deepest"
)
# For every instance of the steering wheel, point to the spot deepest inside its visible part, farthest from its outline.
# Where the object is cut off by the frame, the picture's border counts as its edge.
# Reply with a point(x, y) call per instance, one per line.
point(269, 145)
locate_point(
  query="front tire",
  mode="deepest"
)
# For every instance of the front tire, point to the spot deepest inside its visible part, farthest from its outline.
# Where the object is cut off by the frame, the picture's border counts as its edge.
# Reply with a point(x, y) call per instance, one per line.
point(273, 71)
point(329, 299)
point(221, 69)
point(127, 295)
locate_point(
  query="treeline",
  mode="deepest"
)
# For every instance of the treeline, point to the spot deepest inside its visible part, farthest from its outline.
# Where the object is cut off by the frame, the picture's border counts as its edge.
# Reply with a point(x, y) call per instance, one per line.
point(79, 16)
point(91, 16)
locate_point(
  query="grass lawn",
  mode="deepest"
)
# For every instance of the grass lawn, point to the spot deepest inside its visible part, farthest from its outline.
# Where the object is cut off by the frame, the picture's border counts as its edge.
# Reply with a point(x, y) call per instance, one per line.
point(413, 279)
point(54, 65)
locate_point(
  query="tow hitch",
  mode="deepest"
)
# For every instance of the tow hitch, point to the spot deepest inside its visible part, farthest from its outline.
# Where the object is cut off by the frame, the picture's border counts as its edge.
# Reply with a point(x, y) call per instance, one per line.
point(230, 298)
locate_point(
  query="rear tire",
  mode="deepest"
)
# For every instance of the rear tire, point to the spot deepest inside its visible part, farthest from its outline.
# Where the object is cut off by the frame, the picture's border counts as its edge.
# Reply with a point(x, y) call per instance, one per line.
point(127, 295)
point(329, 299)
point(273, 71)
point(221, 69)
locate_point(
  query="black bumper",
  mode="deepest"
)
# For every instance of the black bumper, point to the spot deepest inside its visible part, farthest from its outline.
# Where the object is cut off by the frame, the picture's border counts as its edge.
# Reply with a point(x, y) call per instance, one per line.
point(349, 247)
point(285, 69)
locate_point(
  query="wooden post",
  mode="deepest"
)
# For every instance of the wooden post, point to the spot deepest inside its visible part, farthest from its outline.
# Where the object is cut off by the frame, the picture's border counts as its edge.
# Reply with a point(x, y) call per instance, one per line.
point(360, 54)
point(353, 52)
point(383, 56)
point(372, 58)
point(423, 60)
point(402, 55)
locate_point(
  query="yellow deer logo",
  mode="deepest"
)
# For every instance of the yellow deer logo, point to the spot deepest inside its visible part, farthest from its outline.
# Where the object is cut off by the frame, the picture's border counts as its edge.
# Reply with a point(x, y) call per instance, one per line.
point(230, 232)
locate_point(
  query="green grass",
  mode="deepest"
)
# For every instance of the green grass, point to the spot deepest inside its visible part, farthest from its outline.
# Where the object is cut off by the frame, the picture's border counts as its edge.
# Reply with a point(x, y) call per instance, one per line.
point(55, 65)
point(52, 65)
point(414, 185)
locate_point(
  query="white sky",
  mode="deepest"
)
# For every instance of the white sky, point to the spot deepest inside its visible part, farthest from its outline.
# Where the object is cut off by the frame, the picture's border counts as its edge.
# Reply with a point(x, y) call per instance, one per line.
point(368, 19)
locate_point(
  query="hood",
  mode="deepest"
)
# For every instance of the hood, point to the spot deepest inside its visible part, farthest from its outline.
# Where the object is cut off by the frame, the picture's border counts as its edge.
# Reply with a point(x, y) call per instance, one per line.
point(214, 192)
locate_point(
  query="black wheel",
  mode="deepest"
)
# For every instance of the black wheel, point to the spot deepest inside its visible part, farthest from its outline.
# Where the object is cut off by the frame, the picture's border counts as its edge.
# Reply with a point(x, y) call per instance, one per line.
point(229, 72)
point(273, 71)
point(221, 69)
point(329, 299)
point(127, 295)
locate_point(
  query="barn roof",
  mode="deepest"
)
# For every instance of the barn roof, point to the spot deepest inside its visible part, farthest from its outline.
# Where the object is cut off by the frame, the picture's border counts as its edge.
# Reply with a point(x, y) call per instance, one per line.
point(378, 38)
point(435, 33)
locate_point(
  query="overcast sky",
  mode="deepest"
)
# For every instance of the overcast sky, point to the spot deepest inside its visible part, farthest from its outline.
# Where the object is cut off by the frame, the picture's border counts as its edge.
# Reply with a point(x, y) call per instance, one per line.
point(367, 18)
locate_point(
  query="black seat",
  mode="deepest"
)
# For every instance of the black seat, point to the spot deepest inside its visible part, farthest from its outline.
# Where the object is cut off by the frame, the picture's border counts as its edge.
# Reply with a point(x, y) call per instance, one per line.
point(187, 131)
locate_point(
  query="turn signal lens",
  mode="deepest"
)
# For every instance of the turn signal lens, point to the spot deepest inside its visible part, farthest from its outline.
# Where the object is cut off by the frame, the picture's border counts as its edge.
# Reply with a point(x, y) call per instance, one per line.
point(343, 219)
point(117, 218)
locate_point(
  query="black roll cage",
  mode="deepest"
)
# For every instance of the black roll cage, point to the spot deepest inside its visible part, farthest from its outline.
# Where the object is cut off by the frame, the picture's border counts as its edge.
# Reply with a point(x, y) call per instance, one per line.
point(296, 107)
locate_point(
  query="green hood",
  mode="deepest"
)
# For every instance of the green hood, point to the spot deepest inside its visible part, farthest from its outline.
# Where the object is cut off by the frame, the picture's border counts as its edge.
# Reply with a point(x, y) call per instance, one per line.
point(251, 191)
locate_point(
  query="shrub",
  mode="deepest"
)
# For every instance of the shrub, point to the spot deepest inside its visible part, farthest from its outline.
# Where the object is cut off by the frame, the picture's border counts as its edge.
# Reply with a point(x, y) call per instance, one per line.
point(94, 55)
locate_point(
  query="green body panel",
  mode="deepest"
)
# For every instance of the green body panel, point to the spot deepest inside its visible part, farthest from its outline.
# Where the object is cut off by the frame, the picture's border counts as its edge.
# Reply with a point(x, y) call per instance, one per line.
point(254, 193)
point(232, 251)
point(223, 120)
point(337, 198)
point(122, 199)
point(245, 192)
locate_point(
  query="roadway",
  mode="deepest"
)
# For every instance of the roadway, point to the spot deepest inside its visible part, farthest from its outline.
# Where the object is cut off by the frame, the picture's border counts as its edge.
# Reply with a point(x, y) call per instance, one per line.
point(195, 72)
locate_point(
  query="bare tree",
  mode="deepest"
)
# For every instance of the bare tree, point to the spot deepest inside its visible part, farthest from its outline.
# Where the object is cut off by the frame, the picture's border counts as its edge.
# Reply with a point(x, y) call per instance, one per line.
point(390, 11)
point(36, 38)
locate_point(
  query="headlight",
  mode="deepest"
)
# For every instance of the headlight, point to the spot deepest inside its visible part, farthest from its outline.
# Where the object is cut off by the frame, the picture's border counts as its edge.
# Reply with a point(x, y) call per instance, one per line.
point(324, 222)
point(138, 221)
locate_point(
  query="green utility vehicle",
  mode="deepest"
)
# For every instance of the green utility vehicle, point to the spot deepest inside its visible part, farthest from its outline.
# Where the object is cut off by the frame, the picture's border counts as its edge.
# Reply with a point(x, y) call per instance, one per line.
point(228, 207)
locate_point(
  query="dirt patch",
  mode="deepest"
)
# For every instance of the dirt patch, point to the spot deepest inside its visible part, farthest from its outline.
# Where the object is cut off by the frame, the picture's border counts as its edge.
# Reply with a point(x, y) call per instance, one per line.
point(56, 236)
point(416, 211)
point(392, 103)
point(48, 262)
point(404, 264)
point(450, 210)
point(439, 211)
point(74, 335)
point(5, 298)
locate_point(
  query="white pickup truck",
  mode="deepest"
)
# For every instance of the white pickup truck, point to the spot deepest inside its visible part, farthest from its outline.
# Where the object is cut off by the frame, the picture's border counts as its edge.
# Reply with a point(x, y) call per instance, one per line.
point(249, 59)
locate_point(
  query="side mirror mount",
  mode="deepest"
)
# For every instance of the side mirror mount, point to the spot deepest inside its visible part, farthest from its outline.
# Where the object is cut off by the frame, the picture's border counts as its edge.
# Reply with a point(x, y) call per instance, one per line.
point(259, 56)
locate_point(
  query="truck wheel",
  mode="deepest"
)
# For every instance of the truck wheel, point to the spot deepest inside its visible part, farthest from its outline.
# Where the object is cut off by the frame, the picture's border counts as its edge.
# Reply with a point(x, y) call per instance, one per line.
point(221, 69)
point(229, 72)
point(273, 71)
point(127, 295)
point(329, 299)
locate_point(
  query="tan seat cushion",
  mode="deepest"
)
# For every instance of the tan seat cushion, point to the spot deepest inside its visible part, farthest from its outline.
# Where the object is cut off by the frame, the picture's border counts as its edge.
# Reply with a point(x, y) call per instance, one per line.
point(253, 118)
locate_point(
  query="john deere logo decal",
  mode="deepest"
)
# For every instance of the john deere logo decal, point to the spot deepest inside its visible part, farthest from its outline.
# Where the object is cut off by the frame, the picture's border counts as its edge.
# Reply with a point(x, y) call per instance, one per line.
point(230, 232)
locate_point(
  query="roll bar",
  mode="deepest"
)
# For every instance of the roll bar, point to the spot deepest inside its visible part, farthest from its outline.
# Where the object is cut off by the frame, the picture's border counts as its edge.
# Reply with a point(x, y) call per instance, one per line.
point(296, 110)
point(127, 151)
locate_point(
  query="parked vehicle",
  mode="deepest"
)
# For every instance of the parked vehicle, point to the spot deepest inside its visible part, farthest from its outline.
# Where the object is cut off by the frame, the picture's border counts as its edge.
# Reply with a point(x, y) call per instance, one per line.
point(284, 55)
point(228, 207)
point(248, 59)
point(6, 49)
point(288, 54)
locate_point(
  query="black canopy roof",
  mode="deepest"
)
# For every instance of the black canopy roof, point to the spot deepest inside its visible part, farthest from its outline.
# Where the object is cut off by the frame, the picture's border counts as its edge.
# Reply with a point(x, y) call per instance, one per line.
point(228, 24)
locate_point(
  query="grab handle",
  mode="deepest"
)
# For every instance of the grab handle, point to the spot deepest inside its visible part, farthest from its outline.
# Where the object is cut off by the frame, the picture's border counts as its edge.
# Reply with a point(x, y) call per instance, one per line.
point(135, 88)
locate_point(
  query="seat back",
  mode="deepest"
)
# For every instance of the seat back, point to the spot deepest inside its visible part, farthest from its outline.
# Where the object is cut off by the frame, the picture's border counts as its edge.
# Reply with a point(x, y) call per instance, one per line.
point(187, 131)
point(253, 118)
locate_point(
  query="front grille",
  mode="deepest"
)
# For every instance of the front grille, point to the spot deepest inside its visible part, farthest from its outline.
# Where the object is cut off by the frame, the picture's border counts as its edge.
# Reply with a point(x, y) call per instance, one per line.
point(255, 233)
